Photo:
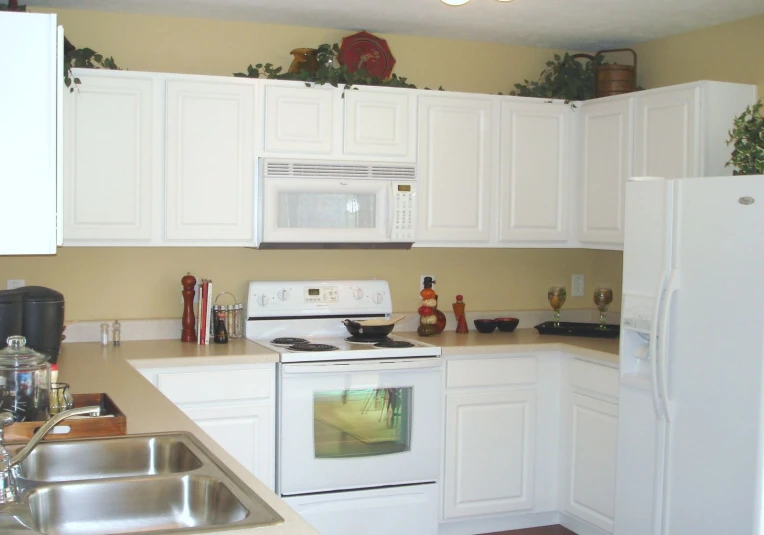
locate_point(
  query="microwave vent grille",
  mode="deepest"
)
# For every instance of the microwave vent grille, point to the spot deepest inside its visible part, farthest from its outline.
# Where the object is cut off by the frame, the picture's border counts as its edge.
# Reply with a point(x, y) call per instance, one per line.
point(335, 170)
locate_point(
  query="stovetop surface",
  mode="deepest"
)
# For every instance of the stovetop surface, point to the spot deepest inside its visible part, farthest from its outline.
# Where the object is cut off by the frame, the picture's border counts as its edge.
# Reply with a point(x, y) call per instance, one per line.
point(351, 350)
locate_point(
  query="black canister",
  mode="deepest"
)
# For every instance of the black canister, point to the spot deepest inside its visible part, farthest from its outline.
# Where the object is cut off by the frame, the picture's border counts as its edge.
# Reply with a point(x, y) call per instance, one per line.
point(43, 320)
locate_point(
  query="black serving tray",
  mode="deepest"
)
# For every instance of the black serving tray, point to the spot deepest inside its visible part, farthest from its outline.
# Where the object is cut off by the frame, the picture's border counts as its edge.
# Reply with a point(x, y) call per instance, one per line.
point(568, 328)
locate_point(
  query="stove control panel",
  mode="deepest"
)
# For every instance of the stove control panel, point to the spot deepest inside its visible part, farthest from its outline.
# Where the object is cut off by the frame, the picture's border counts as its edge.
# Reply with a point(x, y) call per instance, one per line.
point(321, 294)
point(318, 298)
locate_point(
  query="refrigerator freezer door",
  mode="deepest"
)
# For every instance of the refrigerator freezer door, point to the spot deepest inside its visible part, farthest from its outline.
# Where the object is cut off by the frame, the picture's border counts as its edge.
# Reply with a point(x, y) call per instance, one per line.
point(715, 359)
point(646, 262)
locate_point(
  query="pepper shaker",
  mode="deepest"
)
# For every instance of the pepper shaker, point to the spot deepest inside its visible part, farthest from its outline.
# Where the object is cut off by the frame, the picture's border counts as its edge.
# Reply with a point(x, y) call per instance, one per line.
point(116, 330)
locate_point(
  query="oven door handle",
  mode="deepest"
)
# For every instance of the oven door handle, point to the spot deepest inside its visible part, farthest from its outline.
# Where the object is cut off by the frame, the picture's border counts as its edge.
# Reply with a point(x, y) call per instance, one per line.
point(362, 366)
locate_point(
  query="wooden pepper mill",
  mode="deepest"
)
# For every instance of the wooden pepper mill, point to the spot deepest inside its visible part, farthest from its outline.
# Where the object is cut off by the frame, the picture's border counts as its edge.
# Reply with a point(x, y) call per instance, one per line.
point(461, 319)
point(188, 334)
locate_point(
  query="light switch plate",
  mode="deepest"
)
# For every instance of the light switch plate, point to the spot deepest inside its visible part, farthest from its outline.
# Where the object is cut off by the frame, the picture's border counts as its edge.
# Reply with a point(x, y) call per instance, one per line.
point(12, 284)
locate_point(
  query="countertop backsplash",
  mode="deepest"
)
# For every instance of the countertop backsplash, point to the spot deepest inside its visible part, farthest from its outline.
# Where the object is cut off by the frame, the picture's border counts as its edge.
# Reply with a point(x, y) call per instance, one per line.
point(168, 329)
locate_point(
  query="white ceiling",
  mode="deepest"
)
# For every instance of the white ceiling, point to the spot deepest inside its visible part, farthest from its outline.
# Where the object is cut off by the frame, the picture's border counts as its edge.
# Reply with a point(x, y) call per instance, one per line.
point(569, 24)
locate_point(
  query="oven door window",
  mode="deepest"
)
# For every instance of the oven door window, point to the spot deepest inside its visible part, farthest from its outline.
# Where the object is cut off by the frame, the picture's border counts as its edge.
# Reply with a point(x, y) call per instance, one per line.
point(361, 423)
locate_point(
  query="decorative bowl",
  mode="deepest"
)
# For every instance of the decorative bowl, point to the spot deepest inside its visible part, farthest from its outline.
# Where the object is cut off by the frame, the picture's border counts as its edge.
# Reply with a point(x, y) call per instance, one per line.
point(507, 325)
point(485, 326)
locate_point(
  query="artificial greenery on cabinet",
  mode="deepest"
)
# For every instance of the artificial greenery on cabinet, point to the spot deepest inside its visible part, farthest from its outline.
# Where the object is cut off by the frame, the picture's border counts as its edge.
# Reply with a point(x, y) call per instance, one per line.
point(565, 78)
point(329, 71)
point(747, 140)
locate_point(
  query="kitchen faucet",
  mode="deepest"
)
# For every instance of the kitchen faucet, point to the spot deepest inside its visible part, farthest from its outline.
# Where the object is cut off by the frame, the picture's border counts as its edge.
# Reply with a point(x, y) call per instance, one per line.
point(8, 489)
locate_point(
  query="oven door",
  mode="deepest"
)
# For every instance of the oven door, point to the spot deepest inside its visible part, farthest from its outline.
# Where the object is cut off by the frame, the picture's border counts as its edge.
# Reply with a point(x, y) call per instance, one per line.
point(326, 211)
point(363, 424)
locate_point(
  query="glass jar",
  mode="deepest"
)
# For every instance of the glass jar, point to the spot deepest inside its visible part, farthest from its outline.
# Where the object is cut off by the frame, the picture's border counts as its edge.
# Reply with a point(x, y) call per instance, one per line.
point(24, 381)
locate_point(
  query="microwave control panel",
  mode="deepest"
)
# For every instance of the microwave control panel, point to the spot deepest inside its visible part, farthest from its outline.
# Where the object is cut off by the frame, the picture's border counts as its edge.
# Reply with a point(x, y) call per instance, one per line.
point(404, 212)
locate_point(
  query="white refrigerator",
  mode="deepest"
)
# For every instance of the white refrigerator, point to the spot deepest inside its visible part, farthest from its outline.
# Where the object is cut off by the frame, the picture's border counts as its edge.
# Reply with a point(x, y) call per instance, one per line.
point(691, 424)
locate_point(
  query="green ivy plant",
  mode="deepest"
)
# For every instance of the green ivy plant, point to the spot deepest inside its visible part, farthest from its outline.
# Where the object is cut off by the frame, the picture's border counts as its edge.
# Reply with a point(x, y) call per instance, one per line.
point(85, 58)
point(747, 140)
point(563, 78)
point(329, 72)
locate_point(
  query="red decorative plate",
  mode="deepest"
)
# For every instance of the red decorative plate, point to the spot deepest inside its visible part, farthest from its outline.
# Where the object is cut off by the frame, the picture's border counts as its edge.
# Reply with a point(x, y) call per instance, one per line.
point(366, 51)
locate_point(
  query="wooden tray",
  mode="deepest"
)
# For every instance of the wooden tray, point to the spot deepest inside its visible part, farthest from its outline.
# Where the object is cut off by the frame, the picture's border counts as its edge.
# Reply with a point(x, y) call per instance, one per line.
point(113, 423)
point(590, 330)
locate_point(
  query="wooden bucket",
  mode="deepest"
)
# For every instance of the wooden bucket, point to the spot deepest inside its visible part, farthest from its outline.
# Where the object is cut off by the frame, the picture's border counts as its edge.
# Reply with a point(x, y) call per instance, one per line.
point(614, 79)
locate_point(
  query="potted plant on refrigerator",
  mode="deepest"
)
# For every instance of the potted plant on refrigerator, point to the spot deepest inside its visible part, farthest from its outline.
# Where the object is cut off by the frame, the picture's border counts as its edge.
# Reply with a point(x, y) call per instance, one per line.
point(747, 140)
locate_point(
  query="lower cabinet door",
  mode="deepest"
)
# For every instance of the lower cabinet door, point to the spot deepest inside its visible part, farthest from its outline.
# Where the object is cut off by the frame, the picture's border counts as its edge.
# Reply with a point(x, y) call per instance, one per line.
point(247, 432)
point(489, 461)
point(593, 448)
point(387, 511)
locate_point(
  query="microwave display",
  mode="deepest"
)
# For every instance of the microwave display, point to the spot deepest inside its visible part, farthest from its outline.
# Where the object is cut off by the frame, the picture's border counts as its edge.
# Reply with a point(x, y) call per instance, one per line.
point(402, 187)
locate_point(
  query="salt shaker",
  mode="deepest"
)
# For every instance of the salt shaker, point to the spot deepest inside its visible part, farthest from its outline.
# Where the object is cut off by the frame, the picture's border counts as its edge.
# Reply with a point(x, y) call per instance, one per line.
point(104, 335)
point(238, 312)
point(116, 329)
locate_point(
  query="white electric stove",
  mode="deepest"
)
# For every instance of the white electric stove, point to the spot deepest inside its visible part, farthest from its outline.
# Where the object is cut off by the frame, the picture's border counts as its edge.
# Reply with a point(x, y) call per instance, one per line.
point(302, 320)
point(359, 426)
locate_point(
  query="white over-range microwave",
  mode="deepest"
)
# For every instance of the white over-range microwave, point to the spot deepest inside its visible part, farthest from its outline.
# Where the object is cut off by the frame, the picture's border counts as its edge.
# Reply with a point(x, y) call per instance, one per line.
point(322, 204)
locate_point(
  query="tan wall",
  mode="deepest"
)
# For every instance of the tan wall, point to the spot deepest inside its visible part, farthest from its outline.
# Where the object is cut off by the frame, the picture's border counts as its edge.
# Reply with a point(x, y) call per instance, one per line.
point(732, 52)
point(218, 47)
point(102, 283)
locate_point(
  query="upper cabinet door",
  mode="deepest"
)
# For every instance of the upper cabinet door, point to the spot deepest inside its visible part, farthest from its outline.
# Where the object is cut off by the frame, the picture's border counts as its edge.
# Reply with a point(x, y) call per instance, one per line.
point(108, 159)
point(605, 148)
point(380, 124)
point(533, 184)
point(31, 78)
point(666, 133)
point(456, 167)
point(210, 158)
point(299, 120)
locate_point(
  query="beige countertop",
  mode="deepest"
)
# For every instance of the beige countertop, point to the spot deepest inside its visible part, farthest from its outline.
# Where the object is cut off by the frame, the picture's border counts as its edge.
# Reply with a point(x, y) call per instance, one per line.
point(88, 367)
point(600, 350)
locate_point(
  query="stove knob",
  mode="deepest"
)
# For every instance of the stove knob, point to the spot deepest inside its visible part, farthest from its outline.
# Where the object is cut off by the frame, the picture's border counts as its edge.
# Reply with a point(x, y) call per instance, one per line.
point(263, 300)
point(377, 298)
point(358, 294)
point(283, 295)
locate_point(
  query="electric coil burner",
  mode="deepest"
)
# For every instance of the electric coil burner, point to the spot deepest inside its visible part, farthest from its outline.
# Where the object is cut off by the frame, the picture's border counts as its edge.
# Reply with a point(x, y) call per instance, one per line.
point(312, 347)
point(288, 341)
point(397, 344)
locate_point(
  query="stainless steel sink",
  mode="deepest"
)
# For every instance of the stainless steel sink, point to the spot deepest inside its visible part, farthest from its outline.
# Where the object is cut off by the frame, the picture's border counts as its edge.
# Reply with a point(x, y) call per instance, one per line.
point(96, 459)
point(147, 504)
point(163, 483)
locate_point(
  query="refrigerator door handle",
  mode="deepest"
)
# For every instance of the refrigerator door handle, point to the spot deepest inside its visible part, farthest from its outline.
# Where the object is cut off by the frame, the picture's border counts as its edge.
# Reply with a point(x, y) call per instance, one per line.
point(653, 349)
point(663, 334)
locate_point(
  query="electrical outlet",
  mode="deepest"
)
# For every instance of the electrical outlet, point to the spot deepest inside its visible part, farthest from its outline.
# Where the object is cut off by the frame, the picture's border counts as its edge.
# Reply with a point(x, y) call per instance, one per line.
point(11, 284)
point(421, 281)
point(578, 285)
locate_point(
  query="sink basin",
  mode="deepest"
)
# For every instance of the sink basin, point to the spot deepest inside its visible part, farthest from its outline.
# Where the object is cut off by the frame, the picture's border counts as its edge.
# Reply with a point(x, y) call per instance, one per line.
point(130, 506)
point(162, 483)
point(120, 457)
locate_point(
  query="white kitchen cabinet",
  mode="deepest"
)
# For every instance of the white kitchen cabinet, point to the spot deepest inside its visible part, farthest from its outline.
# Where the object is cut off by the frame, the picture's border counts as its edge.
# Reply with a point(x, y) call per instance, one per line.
point(108, 160)
point(680, 131)
point(298, 119)
point(605, 148)
point(235, 405)
point(456, 167)
point(589, 446)
point(210, 162)
point(324, 122)
point(501, 440)
point(379, 123)
point(534, 173)
point(489, 452)
point(29, 137)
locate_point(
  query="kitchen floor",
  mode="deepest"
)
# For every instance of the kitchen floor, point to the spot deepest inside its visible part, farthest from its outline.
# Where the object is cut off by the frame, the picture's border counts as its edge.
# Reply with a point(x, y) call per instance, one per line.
point(546, 530)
